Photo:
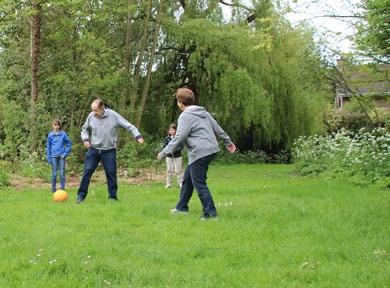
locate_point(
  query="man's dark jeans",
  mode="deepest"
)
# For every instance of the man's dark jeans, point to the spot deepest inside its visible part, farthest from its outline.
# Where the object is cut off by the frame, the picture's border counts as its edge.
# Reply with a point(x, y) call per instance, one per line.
point(108, 159)
point(195, 175)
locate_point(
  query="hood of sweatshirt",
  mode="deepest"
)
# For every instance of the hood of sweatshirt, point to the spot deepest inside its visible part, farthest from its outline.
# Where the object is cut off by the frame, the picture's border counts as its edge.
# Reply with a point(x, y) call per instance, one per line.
point(196, 110)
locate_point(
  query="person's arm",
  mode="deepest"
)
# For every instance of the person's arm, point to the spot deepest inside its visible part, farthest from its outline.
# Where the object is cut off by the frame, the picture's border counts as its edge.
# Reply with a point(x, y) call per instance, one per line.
point(48, 152)
point(121, 121)
point(222, 134)
point(68, 145)
point(219, 131)
point(85, 136)
point(183, 129)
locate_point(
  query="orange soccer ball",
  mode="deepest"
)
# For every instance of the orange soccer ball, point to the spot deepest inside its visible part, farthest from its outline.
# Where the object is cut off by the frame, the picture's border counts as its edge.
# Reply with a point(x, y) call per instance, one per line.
point(60, 196)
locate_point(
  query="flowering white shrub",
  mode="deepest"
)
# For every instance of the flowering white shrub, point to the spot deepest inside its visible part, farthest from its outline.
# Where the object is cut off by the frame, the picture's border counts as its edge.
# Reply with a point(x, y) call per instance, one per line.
point(364, 152)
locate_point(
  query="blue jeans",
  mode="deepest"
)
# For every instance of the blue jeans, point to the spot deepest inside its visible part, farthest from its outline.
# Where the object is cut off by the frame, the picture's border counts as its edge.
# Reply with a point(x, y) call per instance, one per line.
point(195, 175)
point(57, 164)
point(92, 159)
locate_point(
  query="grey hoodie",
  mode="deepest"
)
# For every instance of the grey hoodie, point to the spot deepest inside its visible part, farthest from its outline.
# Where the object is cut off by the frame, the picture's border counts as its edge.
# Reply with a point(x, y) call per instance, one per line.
point(198, 130)
point(101, 132)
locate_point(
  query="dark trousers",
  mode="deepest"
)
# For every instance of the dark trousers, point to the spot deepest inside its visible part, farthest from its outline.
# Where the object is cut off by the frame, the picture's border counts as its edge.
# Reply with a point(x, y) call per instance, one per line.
point(195, 175)
point(92, 159)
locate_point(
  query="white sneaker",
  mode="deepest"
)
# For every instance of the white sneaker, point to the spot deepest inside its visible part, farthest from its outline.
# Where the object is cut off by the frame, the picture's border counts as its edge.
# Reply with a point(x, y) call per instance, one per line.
point(175, 211)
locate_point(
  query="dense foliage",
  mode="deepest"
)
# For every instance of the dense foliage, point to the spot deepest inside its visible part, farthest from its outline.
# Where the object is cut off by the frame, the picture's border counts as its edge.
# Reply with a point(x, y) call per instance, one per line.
point(374, 32)
point(364, 154)
point(259, 76)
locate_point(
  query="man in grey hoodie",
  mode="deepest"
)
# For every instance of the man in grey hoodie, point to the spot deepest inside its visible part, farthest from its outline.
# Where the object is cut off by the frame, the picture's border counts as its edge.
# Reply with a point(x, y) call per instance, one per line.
point(100, 137)
point(198, 130)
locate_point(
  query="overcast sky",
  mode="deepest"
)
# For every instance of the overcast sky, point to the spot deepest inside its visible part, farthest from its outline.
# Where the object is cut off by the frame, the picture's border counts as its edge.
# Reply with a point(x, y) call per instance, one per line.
point(335, 30)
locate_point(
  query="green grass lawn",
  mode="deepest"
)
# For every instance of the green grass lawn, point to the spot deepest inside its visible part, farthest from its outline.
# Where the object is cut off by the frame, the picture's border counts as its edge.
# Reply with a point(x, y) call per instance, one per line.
point(275, 229)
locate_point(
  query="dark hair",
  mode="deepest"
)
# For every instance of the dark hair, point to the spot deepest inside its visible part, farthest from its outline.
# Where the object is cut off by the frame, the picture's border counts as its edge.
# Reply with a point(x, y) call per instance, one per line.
point(185, 96)
point(57, 122)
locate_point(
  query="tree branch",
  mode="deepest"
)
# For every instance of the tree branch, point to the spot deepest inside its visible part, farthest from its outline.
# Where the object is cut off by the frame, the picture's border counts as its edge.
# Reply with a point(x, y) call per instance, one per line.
point(236, 5)
point(250, 18)
point(10, 11)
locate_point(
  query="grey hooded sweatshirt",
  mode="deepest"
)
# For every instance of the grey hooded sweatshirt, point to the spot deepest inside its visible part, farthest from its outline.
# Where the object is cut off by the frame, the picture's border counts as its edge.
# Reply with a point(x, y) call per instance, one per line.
point(101, 132)
point(198, 130)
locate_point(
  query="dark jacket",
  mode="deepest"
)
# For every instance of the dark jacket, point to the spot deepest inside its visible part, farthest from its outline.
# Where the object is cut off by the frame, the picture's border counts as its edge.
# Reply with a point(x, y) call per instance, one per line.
point(177, 152)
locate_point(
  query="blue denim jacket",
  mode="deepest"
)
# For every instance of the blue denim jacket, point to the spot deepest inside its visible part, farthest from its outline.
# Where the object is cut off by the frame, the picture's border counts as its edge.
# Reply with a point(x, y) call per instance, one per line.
point(57, 145)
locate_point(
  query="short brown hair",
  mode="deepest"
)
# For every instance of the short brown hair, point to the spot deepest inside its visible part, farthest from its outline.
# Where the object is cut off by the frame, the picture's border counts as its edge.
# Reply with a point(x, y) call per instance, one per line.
point(56, 121)
point(185, 96)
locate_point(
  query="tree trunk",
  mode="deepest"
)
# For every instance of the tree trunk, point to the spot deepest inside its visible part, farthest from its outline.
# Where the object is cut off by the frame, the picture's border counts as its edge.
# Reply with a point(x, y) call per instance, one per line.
point(35, 48)
point(150, 64)
point(127, 62)
point(129, 27)
point(138, 64)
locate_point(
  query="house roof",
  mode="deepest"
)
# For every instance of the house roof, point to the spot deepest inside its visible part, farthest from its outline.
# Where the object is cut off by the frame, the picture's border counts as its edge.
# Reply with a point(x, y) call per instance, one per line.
point(368, 79)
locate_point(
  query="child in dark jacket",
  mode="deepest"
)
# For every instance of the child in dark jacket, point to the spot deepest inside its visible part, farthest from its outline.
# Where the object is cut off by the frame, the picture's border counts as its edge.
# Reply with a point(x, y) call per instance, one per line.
point(174, 160)
point(58, 146)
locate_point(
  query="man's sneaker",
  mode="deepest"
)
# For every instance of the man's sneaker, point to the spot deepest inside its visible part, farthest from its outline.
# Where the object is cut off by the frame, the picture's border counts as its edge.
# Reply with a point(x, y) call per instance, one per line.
point(175, 211)
point(79, 201)
point(113, 199)
point(167, 186)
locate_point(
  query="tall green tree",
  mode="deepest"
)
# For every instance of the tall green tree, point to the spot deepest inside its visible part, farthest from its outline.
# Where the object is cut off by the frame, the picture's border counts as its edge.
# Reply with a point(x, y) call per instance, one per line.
point(373, 34)
point(254, 72)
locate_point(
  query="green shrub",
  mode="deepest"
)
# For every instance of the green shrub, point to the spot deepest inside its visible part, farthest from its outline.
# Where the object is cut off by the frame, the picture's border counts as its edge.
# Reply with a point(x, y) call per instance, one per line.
point(134, 155)
point(362, 154)
point(241, 157)
point(251, 157)
point(34, 166)
point(4, 179)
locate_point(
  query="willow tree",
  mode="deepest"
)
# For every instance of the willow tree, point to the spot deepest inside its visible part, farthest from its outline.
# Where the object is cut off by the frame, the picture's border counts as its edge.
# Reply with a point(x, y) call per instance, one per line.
point(249, 71)
point(251, 76)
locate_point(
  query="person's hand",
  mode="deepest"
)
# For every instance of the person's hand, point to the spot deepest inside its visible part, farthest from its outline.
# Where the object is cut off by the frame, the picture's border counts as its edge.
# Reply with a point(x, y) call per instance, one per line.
point(141, 141)
point(231, 148)
point(87, 145)
point(160, 156)
point(49, 161)
point(63, 157)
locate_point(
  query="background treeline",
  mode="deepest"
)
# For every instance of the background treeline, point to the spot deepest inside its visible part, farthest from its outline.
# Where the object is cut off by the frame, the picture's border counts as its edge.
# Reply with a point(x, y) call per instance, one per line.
point(259, 76)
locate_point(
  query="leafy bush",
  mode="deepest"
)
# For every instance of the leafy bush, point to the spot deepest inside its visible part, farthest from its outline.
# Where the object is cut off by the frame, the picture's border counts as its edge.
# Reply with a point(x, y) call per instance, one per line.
point(365, 153)
point(252, 157)
point(4, 179)
point(134, 155)
point(13, 130)
point(34, 167)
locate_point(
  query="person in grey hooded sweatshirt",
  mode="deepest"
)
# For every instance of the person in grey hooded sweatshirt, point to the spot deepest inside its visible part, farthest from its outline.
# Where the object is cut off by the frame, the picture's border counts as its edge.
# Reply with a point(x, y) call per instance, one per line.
point(100, 137)
point(198, 130)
